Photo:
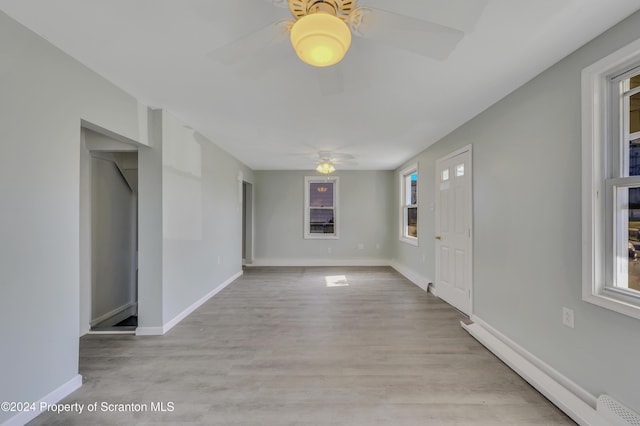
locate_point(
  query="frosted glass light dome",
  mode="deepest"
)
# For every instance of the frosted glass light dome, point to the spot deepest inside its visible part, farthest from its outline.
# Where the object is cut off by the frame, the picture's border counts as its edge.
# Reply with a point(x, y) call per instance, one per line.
point(320, 39)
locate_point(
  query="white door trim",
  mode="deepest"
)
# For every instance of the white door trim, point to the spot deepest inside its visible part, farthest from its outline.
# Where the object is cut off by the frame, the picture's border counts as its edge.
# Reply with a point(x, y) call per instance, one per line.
point(467, 148)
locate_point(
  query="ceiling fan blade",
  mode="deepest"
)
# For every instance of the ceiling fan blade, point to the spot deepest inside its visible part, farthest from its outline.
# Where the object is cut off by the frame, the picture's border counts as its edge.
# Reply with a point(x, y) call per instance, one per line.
point(247, 46)
point(335, 157)
point(279, 3)
point(264, 62)
point(404, 32)
point(341, 156)
point(459, 14)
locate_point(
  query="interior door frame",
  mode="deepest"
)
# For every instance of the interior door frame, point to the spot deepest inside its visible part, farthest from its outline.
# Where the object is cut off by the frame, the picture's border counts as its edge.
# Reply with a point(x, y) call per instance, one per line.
point(247, 225)
point(469, 269)
point(104, 141)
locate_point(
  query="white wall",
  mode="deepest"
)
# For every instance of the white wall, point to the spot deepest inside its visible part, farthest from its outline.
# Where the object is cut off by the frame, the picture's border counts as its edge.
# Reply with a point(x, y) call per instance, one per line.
point(527, 227)
point(45, 96)
point(202, 216)
point(365, 211)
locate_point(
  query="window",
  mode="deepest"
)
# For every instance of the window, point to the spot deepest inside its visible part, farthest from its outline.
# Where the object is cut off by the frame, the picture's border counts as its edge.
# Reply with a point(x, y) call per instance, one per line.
point(409, 205)
point(611, 181)
point(321, 207)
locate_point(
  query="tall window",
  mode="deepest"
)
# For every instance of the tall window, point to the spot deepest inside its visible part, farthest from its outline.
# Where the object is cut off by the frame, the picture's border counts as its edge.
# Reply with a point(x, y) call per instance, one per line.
point(611, 181)
point(321, 207)
point(625, 184)
point(409, 205)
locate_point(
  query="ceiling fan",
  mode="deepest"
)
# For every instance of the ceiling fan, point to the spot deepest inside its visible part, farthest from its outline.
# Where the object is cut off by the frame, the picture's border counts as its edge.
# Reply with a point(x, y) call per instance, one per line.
point(327, 161)
point(321, 31)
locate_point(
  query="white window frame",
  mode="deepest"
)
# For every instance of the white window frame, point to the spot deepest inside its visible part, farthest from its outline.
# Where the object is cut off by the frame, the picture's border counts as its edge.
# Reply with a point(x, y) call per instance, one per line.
point(601, 124)
point(404, 174)
point(308, 180)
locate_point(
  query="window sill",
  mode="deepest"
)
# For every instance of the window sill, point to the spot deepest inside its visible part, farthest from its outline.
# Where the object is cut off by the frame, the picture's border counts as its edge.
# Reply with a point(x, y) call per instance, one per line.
point(321, 237)
point(410, 240)
point(614, 304)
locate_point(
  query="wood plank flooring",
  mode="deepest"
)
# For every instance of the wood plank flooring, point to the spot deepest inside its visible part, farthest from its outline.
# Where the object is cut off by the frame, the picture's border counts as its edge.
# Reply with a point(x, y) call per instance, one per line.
point(280, 347)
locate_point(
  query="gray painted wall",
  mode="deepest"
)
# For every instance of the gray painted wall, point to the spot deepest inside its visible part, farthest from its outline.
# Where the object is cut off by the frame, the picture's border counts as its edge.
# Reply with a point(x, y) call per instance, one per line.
point(45, 95)
point(527, 220)
point(527, 227)
point(202, 216)
point(150, 295)
point(365, 211)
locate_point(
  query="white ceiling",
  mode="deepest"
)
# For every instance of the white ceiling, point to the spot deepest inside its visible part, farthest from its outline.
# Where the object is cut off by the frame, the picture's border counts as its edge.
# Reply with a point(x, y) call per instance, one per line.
point(270, 111)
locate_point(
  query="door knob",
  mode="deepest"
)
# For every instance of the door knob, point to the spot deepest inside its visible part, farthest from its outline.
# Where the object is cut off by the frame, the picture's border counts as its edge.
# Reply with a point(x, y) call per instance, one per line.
point(438, 237)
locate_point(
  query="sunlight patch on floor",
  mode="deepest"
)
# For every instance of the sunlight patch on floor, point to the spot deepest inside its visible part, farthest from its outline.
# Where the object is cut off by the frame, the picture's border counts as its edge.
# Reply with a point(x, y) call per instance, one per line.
point(336, 281)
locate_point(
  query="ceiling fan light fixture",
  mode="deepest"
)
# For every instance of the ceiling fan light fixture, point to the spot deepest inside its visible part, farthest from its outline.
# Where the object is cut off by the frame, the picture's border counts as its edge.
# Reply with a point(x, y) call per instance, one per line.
point(320, 39)
point(325, 168)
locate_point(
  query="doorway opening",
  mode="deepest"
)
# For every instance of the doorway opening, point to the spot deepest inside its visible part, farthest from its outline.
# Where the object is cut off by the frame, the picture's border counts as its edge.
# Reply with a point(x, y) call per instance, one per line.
point(454, 236)
point(109, 235)
point(247, 223)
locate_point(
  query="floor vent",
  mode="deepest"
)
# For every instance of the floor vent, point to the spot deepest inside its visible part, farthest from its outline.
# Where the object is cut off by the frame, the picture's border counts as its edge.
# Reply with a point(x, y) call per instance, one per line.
point(616, 413)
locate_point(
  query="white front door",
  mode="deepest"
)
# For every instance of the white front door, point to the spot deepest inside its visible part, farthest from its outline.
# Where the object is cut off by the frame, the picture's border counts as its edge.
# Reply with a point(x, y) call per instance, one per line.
point(453, 229)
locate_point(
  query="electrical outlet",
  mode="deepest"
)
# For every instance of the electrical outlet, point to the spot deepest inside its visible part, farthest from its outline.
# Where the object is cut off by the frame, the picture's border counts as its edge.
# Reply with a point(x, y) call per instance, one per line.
point(329, 250)
point(360, 246)
point(567, 317)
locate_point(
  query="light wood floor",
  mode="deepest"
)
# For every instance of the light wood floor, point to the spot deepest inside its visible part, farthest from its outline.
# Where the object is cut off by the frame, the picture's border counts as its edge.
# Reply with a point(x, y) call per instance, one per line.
point(279, 347)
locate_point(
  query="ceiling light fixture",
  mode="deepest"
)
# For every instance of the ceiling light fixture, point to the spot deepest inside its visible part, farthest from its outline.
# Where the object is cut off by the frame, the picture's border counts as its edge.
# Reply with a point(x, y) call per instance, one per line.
point(321, 38)
point(325, 167)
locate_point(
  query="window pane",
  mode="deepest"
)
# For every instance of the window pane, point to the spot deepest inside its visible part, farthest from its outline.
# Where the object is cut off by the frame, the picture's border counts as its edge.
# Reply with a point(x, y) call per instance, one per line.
point(410, 186)
point(460, 170)
point(413, 189)
point(634, 157)
point(635, 82)
point(406, 194)
point(412, 222)
point(321, 194)
point(445, 175)
point(634, 113)
point(628, 267)
point(321, 221)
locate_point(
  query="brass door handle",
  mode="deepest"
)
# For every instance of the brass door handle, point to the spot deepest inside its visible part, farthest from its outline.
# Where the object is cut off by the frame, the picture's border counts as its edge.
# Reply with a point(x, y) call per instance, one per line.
point(438, 237)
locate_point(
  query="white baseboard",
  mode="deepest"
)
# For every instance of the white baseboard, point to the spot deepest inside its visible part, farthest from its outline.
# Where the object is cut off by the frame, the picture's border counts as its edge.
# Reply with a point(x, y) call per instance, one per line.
point(575, 401)
point(157, 331)
point(419, 280)
point(149, 331)
point(52, 398)
point(116, 315)
point(319, 262)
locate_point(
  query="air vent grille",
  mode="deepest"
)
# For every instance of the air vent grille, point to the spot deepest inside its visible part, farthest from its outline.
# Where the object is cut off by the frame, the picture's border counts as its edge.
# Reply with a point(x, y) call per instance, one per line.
point(616, 413)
